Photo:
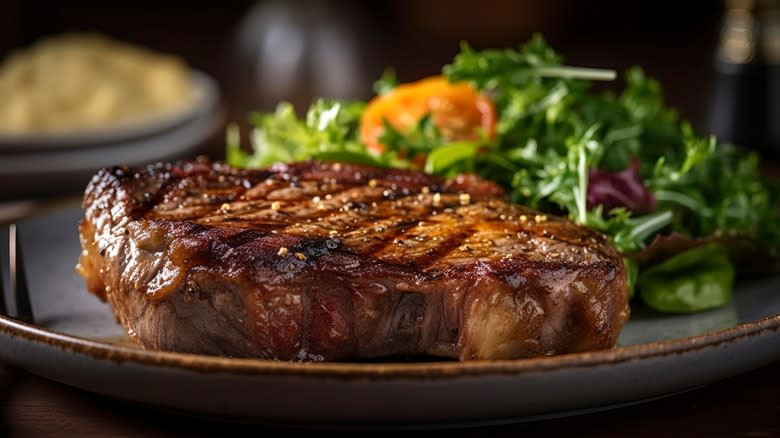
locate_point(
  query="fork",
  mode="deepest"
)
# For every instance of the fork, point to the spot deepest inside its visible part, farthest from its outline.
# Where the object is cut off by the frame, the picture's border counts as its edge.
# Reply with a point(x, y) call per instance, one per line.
point(19, 291)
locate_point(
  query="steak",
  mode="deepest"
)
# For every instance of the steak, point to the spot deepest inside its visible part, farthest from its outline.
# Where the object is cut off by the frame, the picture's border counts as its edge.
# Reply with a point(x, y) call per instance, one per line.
point(324, 261)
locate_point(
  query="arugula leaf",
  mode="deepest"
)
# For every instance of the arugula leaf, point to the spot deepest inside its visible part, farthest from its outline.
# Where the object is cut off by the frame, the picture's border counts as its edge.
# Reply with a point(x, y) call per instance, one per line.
point(452, 158)
point(698, 279)
point(632, 233)
point(423, 137)
point(632, 273)
point(491, 69)
point(386, 82)
point(330, 129)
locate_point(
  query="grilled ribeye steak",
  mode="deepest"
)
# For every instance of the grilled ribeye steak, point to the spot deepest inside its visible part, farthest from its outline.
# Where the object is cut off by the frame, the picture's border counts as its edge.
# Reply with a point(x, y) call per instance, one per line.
point(329, 261)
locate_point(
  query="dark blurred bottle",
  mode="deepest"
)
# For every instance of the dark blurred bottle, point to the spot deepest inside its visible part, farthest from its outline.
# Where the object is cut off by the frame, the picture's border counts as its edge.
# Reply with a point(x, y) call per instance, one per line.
point(770, 32)
point(738, 111)
point(296, 51)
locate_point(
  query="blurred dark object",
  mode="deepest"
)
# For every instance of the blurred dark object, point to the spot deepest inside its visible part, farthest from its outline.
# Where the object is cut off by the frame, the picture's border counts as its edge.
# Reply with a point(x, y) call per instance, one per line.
point(771, 46)
point(746, 95)
point(295, 52)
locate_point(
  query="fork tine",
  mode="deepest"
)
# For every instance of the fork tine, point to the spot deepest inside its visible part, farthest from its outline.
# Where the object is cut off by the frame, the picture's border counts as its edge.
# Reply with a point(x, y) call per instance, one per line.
point(3, 309)
point(18, 277)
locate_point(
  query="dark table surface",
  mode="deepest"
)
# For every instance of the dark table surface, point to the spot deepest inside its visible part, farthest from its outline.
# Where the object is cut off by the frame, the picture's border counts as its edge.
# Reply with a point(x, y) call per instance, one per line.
point(742, 406)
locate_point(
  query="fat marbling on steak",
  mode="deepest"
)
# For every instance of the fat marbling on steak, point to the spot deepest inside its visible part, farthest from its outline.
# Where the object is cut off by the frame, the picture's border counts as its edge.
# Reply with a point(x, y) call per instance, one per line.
point(330, 261)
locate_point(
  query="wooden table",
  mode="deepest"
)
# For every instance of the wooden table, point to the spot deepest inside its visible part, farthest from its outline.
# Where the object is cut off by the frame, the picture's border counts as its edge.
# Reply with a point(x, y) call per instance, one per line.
point(743, 406)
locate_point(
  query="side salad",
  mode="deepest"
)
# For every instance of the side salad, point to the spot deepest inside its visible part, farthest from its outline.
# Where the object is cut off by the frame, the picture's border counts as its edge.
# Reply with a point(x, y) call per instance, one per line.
point(688, 213)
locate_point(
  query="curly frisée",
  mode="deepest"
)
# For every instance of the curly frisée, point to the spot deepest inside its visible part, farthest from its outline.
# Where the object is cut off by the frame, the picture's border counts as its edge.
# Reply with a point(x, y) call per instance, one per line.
point(687, 212)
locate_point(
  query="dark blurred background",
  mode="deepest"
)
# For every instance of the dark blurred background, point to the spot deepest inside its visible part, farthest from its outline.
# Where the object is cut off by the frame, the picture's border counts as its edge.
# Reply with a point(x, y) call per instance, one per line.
point(264, 51)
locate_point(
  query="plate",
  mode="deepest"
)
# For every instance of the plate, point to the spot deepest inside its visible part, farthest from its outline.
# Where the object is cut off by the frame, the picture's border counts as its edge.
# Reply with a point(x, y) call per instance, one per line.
point(48, 172)
point(76, 341)
point(205, 95)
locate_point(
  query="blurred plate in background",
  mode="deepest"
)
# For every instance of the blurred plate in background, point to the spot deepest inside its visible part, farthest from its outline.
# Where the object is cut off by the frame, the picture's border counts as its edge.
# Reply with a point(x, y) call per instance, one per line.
point(47, 165)
point(205, 95)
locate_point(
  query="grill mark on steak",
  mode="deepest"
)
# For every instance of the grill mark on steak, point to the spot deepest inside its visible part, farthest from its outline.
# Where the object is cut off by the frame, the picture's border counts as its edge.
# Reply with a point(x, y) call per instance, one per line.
point(319, 261)
point(414, 246)
point(389, 237)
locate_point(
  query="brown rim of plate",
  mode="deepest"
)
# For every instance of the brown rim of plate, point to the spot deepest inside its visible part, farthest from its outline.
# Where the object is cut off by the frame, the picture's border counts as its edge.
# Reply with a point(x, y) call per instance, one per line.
point(384, 371)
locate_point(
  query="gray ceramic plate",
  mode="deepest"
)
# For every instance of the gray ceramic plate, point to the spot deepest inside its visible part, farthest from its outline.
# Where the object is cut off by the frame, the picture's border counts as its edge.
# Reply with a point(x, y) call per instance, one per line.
point(76, 341)
point(51, 173)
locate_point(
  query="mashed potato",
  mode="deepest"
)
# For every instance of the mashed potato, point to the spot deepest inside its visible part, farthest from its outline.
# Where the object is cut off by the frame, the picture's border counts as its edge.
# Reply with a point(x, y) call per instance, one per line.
point(76, 82)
